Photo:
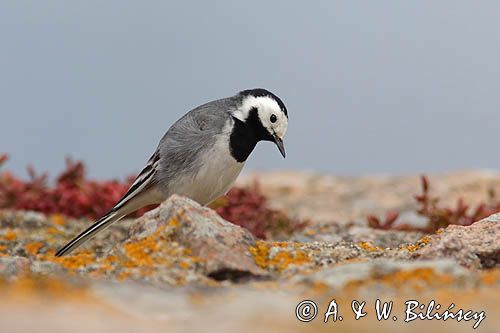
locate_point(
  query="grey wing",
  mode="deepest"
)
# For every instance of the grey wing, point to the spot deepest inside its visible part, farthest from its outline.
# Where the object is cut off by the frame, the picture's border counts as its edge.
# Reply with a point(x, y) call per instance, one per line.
point(196, 132)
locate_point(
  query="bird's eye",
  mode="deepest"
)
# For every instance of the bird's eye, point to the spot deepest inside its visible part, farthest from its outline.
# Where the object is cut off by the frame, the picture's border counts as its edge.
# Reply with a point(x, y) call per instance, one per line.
point(273, 118)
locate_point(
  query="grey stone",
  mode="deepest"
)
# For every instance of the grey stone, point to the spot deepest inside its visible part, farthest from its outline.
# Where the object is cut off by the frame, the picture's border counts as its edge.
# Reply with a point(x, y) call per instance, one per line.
point(475, 246)
point(223, 246)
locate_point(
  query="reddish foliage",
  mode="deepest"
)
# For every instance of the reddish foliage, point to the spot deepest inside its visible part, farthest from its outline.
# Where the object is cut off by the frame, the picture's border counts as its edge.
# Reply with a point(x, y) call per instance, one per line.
point(387, 223)
point(73, 195)
point(76, 196)
point(439, 216)
point(248, 208)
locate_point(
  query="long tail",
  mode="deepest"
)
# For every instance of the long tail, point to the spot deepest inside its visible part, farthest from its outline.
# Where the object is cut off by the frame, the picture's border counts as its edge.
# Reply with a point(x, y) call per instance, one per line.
point(90, 232)
point(141, 193)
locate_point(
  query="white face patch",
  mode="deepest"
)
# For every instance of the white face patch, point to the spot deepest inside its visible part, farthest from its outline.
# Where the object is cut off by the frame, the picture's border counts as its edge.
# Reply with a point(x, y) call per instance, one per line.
point(267, 107)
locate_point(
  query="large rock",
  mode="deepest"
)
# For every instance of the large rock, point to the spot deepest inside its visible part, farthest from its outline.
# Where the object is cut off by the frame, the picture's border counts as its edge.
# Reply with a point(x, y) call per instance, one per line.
point(474, 246)
point(222, 246)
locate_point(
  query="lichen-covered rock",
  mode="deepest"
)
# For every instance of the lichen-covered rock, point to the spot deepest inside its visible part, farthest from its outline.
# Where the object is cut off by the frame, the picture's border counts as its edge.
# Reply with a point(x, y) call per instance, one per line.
point(222, 246)
point(425, 272)
point(474, 246)
point(151, 273)
point(334, 233)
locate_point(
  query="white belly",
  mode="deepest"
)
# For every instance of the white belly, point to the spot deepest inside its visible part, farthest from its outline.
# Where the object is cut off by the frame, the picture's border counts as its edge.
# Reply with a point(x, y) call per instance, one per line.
point(215, 177)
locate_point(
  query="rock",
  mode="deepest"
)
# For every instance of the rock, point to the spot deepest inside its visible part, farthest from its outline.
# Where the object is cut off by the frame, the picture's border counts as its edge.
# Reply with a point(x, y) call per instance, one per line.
point(381, 238)
point(334, 233)
point(341, 275)
point(475, 246)
point(222, 246)
point(152, 272)
point(157, 276)
point(11, 267)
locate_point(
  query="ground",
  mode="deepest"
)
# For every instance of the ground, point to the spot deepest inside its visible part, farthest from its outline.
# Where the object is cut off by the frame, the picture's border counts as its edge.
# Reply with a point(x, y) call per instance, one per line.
point(182, 268)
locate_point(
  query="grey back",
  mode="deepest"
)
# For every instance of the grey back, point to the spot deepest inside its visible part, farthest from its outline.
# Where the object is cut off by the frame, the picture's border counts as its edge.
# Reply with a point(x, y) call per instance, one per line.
point(188, 138)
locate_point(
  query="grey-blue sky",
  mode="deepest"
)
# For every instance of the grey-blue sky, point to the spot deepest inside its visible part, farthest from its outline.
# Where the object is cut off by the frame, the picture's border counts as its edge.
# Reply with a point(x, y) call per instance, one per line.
point(371, 86)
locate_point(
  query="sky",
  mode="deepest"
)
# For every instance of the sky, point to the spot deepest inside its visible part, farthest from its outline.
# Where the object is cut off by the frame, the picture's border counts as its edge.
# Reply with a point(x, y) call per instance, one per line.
point(372, 87)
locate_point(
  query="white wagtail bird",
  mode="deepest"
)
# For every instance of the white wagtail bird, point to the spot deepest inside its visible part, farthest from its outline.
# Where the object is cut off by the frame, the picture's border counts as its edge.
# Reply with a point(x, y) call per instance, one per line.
point(201, 155)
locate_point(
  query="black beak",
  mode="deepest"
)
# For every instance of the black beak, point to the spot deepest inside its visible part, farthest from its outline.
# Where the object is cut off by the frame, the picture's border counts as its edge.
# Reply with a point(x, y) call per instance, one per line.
point(280, 145)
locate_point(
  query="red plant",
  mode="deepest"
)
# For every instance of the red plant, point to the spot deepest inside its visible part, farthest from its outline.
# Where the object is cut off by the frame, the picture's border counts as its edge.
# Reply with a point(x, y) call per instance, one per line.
point(76, 196)
point(248, 207)
point(439, 216)
point(385, 224)
point(73, 195)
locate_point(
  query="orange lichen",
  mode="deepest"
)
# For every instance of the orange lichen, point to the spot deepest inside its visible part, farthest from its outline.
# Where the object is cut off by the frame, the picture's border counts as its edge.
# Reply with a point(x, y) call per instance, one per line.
point(283, 259)
point(10, 235)
point(184, 264)
point(417, 279)
point(53, 231)
point(260, 253)
point(109, 260)
point(139, 252)
point(81, 259)
point(425, 240)
point(367, 246)
point(58, 219)
point(280, 260)
point(33, 248)
point(173, 222)
point(75, 261)
point(418, 245)
point(281, 244)
point(107, 264)
point(137, 258)
point(410, 247)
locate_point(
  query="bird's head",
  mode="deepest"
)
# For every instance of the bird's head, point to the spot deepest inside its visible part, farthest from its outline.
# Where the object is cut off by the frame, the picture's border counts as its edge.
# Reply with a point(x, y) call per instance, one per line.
point(266, 115)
